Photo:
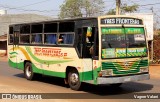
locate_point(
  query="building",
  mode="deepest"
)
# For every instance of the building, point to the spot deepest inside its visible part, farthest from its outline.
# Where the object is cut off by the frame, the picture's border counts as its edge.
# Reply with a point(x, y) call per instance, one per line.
point(3, 45)
point(3, 12)
point(8, 19)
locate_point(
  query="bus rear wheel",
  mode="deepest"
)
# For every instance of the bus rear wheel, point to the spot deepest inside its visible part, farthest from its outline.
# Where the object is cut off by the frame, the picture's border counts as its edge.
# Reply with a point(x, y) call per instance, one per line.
point(28, 71)
point(74, 80)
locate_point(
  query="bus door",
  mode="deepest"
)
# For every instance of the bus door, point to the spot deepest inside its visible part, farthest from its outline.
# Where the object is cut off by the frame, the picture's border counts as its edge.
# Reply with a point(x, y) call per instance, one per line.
point(16, 35)
point(88, 51)
point(16, 39)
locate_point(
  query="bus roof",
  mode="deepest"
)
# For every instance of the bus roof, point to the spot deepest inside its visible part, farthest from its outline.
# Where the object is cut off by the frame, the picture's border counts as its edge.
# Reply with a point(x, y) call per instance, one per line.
point(74, 19)
point(57, 20)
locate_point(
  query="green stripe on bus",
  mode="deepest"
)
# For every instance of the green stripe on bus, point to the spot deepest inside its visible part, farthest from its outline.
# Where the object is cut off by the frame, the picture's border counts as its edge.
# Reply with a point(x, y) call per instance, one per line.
point(11, 53)
point(84, 76)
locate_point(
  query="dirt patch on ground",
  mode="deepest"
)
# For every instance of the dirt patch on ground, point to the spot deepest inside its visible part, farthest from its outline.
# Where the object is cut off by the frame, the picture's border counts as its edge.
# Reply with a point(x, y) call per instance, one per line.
point(3, 58)
point(154, 71)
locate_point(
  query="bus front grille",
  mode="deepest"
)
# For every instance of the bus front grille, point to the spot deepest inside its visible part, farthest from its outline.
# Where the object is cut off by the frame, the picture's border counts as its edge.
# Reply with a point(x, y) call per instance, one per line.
point(129, 67)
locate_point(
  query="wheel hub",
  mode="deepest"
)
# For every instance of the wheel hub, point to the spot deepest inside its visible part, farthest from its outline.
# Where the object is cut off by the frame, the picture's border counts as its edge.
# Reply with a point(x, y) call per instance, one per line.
point(74, 78)
point(28, 71)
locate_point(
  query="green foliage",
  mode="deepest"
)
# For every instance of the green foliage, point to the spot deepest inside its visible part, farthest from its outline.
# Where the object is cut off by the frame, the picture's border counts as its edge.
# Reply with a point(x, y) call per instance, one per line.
point(124, 9)
point(70, 9)
point(129, 9)
point(92, 7)
point(111, 12)
point(81, 8)
point(156, 50)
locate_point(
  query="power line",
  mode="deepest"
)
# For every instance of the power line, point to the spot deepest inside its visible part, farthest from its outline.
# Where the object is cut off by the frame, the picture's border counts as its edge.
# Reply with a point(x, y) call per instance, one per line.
point(21, 7)
point(33, 3)
point(134, 1)
point(141, 7)
point(48, 11)
point(150, 4)
point(107, 1)
point(15, 8)
point(112, 5)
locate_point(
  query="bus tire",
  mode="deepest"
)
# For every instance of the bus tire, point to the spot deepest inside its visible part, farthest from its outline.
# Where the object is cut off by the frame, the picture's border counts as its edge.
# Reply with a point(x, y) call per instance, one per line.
point(74, 80)
point(28, 71)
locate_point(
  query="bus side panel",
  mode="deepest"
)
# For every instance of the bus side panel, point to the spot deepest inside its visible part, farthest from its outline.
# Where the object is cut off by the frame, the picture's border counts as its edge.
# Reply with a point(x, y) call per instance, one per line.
point(53, 61)
point(87, 69)
point(14, 57)
point(12, 64)
point(49, 62)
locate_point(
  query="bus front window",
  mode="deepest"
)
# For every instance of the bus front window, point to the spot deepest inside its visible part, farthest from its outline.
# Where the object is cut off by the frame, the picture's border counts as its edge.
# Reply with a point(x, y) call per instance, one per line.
point(113, 41)
point(135, 40)
point(123, 42)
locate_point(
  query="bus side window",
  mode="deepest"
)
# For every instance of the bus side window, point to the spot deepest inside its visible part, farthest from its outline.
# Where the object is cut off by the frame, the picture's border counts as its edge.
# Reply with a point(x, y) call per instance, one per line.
point(50, 38)
point(24, 39)
point(66, 39)
point(53, 38)
point(36, 38)
point(60, 39)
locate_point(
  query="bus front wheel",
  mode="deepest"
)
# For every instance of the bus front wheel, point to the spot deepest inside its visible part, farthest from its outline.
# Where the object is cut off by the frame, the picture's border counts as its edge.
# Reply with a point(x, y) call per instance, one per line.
point(74, 80)
point(28, 71)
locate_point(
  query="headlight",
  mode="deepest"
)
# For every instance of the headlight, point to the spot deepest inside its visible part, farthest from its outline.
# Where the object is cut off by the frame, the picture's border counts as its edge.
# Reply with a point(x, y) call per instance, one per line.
point(108, 72)
point(143, 69)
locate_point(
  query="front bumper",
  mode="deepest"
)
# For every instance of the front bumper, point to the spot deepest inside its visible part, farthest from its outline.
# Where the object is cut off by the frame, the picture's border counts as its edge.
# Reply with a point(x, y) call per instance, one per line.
point(123, 79)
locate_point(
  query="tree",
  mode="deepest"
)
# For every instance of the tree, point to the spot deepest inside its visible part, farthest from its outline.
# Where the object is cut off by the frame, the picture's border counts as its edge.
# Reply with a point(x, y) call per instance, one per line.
point(124, 9)
point(129, 9)
point(92, 7)
point(70, 9)
point(111, 12)
point(81, 8)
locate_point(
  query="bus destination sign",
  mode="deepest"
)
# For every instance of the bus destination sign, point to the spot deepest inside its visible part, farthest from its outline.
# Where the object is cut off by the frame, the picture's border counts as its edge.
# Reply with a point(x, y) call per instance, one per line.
point(132, 21)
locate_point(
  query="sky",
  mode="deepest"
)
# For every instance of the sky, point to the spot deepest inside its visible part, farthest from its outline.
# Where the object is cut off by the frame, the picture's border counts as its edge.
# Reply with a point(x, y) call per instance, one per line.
point(43, 7)
point(51, 7)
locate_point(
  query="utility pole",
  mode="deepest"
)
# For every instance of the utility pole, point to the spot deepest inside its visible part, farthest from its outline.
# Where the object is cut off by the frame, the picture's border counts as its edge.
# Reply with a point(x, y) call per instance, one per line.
point(151, 45)
point(118, 3)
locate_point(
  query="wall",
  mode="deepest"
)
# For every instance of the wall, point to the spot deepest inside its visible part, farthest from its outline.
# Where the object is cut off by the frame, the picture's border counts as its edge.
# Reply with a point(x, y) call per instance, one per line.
point(6, 20)
point(3, 48)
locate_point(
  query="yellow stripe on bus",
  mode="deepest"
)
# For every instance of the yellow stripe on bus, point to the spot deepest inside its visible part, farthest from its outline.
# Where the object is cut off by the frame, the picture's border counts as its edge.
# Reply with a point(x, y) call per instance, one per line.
point(23, 51)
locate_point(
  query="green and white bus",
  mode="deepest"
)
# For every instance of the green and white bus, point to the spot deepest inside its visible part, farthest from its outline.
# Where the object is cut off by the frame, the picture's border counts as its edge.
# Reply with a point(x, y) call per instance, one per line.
point(96, 50)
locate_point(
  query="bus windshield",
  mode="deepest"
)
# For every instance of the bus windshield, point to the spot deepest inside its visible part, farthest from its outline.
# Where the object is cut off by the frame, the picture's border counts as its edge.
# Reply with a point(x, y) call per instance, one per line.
point(123, 42)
